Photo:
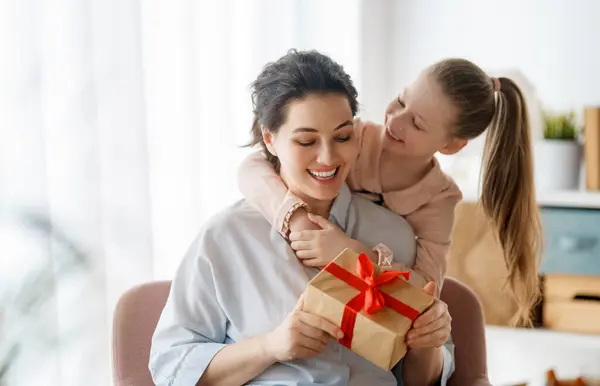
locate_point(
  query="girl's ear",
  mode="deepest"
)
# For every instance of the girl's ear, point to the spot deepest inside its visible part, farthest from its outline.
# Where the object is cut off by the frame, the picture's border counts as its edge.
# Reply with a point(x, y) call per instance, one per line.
point(454, 146)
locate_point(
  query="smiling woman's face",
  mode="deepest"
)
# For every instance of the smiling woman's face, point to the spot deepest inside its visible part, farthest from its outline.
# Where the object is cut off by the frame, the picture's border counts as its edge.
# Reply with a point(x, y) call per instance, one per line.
point(316, 146)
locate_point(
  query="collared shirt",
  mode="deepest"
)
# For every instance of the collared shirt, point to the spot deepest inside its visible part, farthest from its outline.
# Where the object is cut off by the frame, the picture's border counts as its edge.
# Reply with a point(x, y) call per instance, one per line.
point(240, 279)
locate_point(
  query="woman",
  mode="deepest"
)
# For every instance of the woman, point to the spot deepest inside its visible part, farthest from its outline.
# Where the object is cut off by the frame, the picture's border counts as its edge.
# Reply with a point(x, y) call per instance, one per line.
point(234, 314)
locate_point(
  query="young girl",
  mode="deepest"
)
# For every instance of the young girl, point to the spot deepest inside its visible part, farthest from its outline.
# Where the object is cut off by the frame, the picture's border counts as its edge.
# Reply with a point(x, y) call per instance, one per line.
point(450, 103)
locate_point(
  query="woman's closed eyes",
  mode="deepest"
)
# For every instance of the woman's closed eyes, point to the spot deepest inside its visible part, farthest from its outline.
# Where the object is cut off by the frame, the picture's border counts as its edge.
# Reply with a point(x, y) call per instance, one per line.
point(339, 139)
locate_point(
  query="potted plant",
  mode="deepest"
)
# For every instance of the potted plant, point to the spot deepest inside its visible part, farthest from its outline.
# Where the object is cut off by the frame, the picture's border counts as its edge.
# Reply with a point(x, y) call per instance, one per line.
point(558, 154)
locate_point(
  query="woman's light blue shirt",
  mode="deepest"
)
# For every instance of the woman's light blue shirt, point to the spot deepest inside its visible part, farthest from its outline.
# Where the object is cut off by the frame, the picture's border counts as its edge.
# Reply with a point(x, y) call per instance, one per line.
point(239, 279)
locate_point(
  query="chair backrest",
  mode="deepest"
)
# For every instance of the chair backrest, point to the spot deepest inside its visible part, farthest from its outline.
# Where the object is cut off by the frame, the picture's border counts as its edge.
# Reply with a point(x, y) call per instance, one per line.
point(468, 334)
point(135, 319)
point(139, 309)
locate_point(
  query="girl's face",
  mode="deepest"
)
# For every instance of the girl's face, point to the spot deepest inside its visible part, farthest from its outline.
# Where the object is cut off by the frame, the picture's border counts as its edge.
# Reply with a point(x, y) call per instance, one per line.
point(419, 122)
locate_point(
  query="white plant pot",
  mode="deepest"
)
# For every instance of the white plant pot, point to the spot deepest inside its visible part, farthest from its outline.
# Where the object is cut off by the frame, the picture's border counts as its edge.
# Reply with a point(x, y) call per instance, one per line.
point(557, 164)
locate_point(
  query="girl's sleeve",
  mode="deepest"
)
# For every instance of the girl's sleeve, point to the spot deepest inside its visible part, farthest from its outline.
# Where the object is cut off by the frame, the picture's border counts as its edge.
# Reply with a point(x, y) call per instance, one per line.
point(364, 176)
point(266, 192)
point(433, 224)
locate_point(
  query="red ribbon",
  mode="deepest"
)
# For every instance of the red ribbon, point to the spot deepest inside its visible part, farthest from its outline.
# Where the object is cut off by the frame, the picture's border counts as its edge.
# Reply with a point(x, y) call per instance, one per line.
point(370, 297)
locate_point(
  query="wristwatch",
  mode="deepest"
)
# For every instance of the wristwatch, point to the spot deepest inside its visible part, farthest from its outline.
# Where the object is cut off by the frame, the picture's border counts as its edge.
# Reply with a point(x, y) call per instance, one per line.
point(385, 256)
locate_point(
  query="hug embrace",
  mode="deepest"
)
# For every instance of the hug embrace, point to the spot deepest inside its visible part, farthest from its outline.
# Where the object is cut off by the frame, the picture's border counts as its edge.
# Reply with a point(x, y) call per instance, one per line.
point(324, 181)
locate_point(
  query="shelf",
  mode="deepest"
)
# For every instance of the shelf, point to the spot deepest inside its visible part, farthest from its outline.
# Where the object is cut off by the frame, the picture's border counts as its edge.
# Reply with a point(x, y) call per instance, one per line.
point(543, 336)
point(565, 198)
point(575, 199)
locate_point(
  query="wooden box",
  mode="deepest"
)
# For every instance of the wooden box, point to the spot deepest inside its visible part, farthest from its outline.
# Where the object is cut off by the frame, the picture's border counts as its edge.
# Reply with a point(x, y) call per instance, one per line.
point(572, 303)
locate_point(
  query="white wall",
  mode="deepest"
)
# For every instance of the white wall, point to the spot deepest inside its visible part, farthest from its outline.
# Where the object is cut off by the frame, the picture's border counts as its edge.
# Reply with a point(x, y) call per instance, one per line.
point(375, 38)
point(555, 43)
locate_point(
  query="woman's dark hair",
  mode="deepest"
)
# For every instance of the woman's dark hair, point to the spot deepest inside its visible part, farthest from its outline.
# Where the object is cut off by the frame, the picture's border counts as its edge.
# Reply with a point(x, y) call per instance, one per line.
point(294, 76)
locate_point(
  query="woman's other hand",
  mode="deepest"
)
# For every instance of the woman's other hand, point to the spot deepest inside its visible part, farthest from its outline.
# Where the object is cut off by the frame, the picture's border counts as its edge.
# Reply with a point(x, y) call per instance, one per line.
point(301, 335)
point(316, 248)
point(432, 328)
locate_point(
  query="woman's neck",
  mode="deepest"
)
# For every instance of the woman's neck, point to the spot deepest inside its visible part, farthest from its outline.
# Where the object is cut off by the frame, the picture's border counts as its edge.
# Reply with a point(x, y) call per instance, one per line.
point(402, 172)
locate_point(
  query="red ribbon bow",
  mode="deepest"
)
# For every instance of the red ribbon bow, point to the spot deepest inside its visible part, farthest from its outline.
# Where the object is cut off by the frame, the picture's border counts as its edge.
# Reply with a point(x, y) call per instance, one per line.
point(370, 297)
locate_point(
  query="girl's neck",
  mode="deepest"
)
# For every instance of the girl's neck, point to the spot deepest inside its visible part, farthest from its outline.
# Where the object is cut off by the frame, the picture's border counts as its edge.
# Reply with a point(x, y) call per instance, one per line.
point(402, 172)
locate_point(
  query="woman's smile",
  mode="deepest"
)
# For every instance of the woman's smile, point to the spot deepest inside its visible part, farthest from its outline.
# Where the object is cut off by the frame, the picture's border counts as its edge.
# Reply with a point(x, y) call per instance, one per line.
point(324, 176)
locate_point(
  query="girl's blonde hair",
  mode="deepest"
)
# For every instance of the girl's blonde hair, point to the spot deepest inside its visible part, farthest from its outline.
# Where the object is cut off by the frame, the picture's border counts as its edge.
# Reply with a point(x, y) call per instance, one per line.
point(508, 195)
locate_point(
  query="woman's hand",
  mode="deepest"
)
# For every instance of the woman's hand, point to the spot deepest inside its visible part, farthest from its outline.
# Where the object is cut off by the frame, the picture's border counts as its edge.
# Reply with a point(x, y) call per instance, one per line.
point(301, 335)
point(316, 248)
point(432, 328)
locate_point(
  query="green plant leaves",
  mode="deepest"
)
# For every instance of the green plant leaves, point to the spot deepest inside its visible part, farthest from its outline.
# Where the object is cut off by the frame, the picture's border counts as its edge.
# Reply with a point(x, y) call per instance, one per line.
point(560, 126)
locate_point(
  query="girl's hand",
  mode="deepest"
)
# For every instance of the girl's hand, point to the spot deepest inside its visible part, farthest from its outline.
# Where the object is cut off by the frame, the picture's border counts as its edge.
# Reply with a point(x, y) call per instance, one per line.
point(432, 328)
point(316, 248)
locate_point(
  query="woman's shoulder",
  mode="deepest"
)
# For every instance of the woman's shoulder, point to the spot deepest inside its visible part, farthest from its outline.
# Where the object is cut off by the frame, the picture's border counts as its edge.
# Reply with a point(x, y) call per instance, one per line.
point(372, 224)
point(236, 227)
point(236, 224)
point(239, 216)
point(367, 209)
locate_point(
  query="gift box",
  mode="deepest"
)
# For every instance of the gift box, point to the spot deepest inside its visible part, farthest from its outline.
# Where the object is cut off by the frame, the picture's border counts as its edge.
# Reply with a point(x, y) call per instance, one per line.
point(375, 309)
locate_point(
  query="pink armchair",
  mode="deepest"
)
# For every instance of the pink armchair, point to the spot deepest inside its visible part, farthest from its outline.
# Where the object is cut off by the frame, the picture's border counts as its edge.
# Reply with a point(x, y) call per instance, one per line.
point(135, 319)
point(139, 309)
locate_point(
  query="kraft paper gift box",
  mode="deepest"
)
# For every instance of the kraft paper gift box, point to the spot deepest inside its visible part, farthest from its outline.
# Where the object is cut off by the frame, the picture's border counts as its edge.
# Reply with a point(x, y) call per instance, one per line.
point(374, 309)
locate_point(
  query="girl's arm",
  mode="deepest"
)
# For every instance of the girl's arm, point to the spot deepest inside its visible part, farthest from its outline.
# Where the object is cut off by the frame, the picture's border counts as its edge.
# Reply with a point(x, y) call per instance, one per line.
point(432, 222)
point(266, 192)
point(432, 225)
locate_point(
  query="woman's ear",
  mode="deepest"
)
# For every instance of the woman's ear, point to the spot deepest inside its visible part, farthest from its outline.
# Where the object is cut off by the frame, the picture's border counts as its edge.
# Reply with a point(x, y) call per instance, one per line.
point(268, 139)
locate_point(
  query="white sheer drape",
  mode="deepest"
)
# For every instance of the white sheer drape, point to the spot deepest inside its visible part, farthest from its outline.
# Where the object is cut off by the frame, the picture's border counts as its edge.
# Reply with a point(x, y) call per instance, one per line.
point(121, 124)
point(199, 59)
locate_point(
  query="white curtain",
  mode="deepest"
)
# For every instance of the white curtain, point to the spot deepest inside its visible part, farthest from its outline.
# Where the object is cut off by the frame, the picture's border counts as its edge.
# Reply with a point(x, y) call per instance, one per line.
point(120, 129)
